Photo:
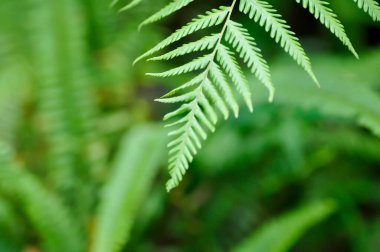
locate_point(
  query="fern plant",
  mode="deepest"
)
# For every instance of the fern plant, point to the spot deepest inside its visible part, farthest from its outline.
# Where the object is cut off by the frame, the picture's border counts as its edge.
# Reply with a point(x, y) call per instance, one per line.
point(220, 75)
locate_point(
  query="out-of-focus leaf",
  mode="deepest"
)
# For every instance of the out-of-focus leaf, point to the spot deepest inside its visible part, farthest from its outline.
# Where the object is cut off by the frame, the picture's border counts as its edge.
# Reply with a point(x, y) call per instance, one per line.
point(140, 154)
point(279, 235)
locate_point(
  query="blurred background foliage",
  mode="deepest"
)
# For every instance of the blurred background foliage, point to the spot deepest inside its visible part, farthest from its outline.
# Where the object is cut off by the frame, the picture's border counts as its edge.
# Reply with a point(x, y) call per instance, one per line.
point(82, 152)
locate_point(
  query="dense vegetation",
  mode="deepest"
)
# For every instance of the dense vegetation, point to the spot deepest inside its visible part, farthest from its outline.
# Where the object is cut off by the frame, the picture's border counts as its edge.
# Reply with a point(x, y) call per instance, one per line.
point(83, 150)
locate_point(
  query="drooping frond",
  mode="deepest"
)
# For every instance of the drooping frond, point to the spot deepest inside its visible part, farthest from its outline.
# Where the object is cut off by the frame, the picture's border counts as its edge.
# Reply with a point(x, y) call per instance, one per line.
point(244, 44)
point(166, 11)
point(371, 7)
point(328, 18)
point(211, 90)
point(265, 15)
point(221, 75)
point(211, 18)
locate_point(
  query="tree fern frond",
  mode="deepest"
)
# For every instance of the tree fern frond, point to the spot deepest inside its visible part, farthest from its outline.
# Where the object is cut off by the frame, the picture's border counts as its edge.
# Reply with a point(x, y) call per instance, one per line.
point(198, 63)
point(328, 18)
point(205, 43)
point(211, 18)
point(371, 7)
point(265, 15)
point(248, 51)
point(166, 11)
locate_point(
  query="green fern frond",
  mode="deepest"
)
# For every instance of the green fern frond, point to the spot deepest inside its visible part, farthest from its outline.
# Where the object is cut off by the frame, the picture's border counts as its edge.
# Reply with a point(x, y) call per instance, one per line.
point(166, 11)
point(264, 14)
point(66, 106)
point(211, 89)
point(371, 7)
point(328, 18)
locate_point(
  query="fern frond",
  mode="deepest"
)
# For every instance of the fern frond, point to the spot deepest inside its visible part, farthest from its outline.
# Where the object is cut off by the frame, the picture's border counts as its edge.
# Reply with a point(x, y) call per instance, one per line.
point(265, 15)
point(211, 89)
point(250, 53)
point(211, 18)
point(205, 43)
point(166, 11)
point(65, 100)
point(328, 18)
point(371, 7)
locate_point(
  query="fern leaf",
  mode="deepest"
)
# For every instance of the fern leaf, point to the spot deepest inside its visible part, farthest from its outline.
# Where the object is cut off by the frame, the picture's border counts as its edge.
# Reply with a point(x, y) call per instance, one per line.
point(166, 11)
point(229, 63)
point(371, 7)
point(141, 152)
point(248, 51)
point(328, 18)
point(280, 234)
point(264, 14)
point(205, 43)
point(191, 132)
point(130, 5)
point(220, 80)
point(196, 80)
point(216, 98)
point(194, 65)
point(211, 18)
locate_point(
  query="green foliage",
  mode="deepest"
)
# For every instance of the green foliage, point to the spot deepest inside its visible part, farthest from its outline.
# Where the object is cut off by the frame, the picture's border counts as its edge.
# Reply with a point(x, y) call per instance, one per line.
point(81, 152)
point(203, 94)
point(342, 101)
point(133, 170)
point(281, 233)
point(48, 215)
